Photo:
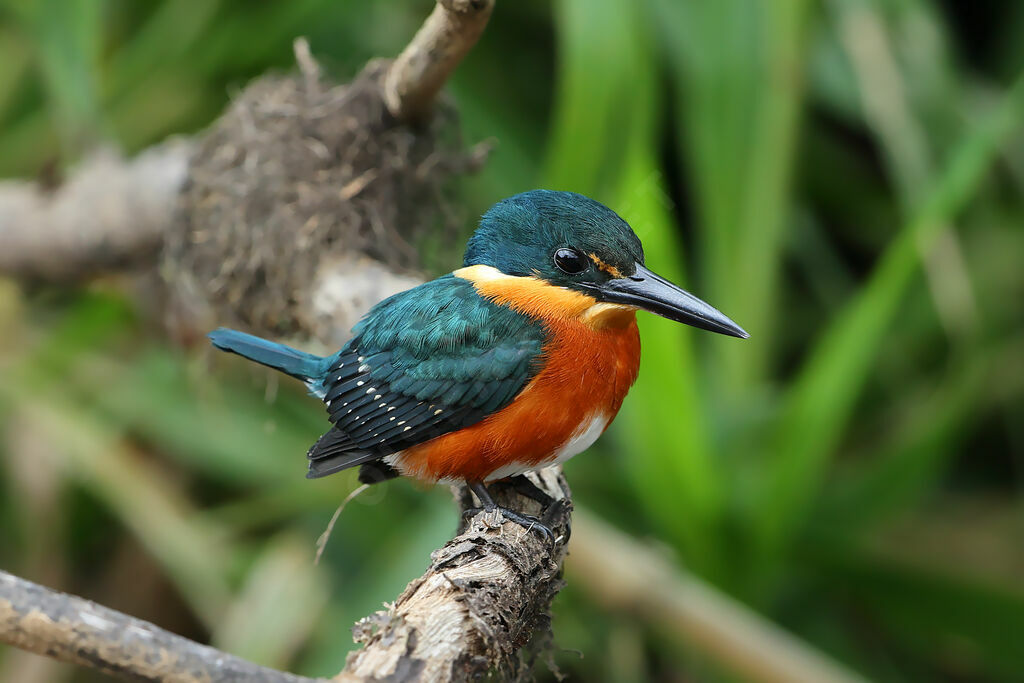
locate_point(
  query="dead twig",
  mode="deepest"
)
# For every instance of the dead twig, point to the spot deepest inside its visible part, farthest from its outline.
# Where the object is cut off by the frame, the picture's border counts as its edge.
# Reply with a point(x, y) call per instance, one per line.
point(417, 75)
point(81, 632)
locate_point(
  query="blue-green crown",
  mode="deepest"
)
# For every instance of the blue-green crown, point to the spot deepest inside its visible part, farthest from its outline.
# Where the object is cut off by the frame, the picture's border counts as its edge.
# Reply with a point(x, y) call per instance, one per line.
point(520, 236)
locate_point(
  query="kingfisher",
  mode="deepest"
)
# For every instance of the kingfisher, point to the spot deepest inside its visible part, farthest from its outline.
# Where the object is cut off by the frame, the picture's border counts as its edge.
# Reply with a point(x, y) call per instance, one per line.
point(517, 360)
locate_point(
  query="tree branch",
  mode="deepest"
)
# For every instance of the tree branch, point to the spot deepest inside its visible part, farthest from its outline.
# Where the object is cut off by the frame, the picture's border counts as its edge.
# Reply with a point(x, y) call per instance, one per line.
point(78, 631)
point(417, 75)
point(484, 595)
point(110, 213)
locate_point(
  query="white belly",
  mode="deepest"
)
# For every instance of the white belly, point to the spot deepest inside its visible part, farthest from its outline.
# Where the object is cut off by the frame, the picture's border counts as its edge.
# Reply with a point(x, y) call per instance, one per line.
point(582, 439)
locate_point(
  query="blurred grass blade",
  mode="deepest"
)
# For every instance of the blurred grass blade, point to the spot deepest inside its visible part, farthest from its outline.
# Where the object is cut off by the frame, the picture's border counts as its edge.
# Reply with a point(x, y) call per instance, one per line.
point(280, 603)
point(884, 97)
point(167, 37)
point(602, 50)
point(195, 555)
point(14, 56)
point(620, 572)
point(608, 92)
point(68, 36)
point(886, 101)
point(669, 455)
point(821, 398)
point(740, 89)
point(896, 477)
point(227, 431)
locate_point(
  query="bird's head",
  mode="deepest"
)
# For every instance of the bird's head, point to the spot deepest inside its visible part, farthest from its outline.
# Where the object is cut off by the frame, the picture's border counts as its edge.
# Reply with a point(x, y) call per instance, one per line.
point(575, 243)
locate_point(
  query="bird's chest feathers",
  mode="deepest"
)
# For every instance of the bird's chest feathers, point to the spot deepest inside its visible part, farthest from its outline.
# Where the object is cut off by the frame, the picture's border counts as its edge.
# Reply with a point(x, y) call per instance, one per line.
point(592, 354)
point(589, 361)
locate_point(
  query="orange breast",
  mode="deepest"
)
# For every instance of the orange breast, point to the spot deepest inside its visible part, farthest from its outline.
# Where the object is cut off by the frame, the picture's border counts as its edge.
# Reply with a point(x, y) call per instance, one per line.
point(589, 364)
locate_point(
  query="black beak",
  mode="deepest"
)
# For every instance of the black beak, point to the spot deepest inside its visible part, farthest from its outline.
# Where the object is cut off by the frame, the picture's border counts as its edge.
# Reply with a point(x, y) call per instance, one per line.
point(651, 292)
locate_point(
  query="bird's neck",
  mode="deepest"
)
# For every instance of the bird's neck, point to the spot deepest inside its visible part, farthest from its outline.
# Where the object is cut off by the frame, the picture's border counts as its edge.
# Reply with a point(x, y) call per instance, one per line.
point(538, 299)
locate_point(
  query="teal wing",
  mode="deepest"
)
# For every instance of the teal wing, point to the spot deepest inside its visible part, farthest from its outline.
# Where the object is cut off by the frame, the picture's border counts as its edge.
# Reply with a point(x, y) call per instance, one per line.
point(425, 362)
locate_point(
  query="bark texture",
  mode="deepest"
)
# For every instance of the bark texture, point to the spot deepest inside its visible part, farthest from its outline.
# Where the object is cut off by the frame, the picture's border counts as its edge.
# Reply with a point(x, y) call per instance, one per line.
point(486, 593)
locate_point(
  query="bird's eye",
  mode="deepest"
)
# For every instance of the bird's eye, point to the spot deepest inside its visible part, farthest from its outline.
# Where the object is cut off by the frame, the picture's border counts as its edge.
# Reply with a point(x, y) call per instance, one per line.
point(570, 261)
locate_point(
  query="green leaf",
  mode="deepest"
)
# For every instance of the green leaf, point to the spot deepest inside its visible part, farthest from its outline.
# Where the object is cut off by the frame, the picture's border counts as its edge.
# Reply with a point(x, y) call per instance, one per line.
point(820, 400)
point(739, 85)
point(608, 91)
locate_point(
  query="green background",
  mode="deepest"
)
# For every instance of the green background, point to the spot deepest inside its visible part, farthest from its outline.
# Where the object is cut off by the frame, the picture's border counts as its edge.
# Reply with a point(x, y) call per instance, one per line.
point(842, 177)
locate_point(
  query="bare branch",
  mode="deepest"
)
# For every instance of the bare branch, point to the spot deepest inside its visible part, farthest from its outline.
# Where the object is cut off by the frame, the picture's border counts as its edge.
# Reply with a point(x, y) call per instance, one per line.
point(484, 595)
point(109, 212)
point(81, 632)
point(418, 74)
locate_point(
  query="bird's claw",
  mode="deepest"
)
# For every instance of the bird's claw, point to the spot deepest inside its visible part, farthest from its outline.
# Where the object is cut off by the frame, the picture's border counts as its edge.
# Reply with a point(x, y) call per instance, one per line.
point(528, 522)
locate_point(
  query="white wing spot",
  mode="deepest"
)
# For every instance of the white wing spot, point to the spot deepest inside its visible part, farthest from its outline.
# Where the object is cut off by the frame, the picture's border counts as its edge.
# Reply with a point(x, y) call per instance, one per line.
point(390, 408)
point(371, 390)
point(391, 419)
point(406, 429)
point(438, 411)
point(360, 383)
point(383, 403)
point(401, 422)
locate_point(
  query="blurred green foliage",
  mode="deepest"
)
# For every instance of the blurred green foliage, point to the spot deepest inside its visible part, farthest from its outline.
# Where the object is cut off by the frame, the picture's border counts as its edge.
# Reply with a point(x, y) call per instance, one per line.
point(844, 178)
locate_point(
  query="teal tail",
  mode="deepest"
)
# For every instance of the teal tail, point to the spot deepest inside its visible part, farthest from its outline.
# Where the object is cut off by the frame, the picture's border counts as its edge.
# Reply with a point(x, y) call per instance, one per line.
point(299, 364)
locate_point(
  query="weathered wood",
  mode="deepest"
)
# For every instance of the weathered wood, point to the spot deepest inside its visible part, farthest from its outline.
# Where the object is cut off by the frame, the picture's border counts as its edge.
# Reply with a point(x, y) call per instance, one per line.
point(485, 594)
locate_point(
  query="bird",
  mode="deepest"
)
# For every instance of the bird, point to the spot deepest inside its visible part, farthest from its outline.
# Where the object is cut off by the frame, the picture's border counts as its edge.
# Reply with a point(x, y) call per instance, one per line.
point(516, 360)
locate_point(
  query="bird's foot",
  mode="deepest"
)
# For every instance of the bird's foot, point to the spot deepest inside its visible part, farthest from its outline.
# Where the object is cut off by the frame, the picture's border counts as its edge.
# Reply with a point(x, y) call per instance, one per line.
point(551, 507)
point(528, 522)
point(542, 525)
